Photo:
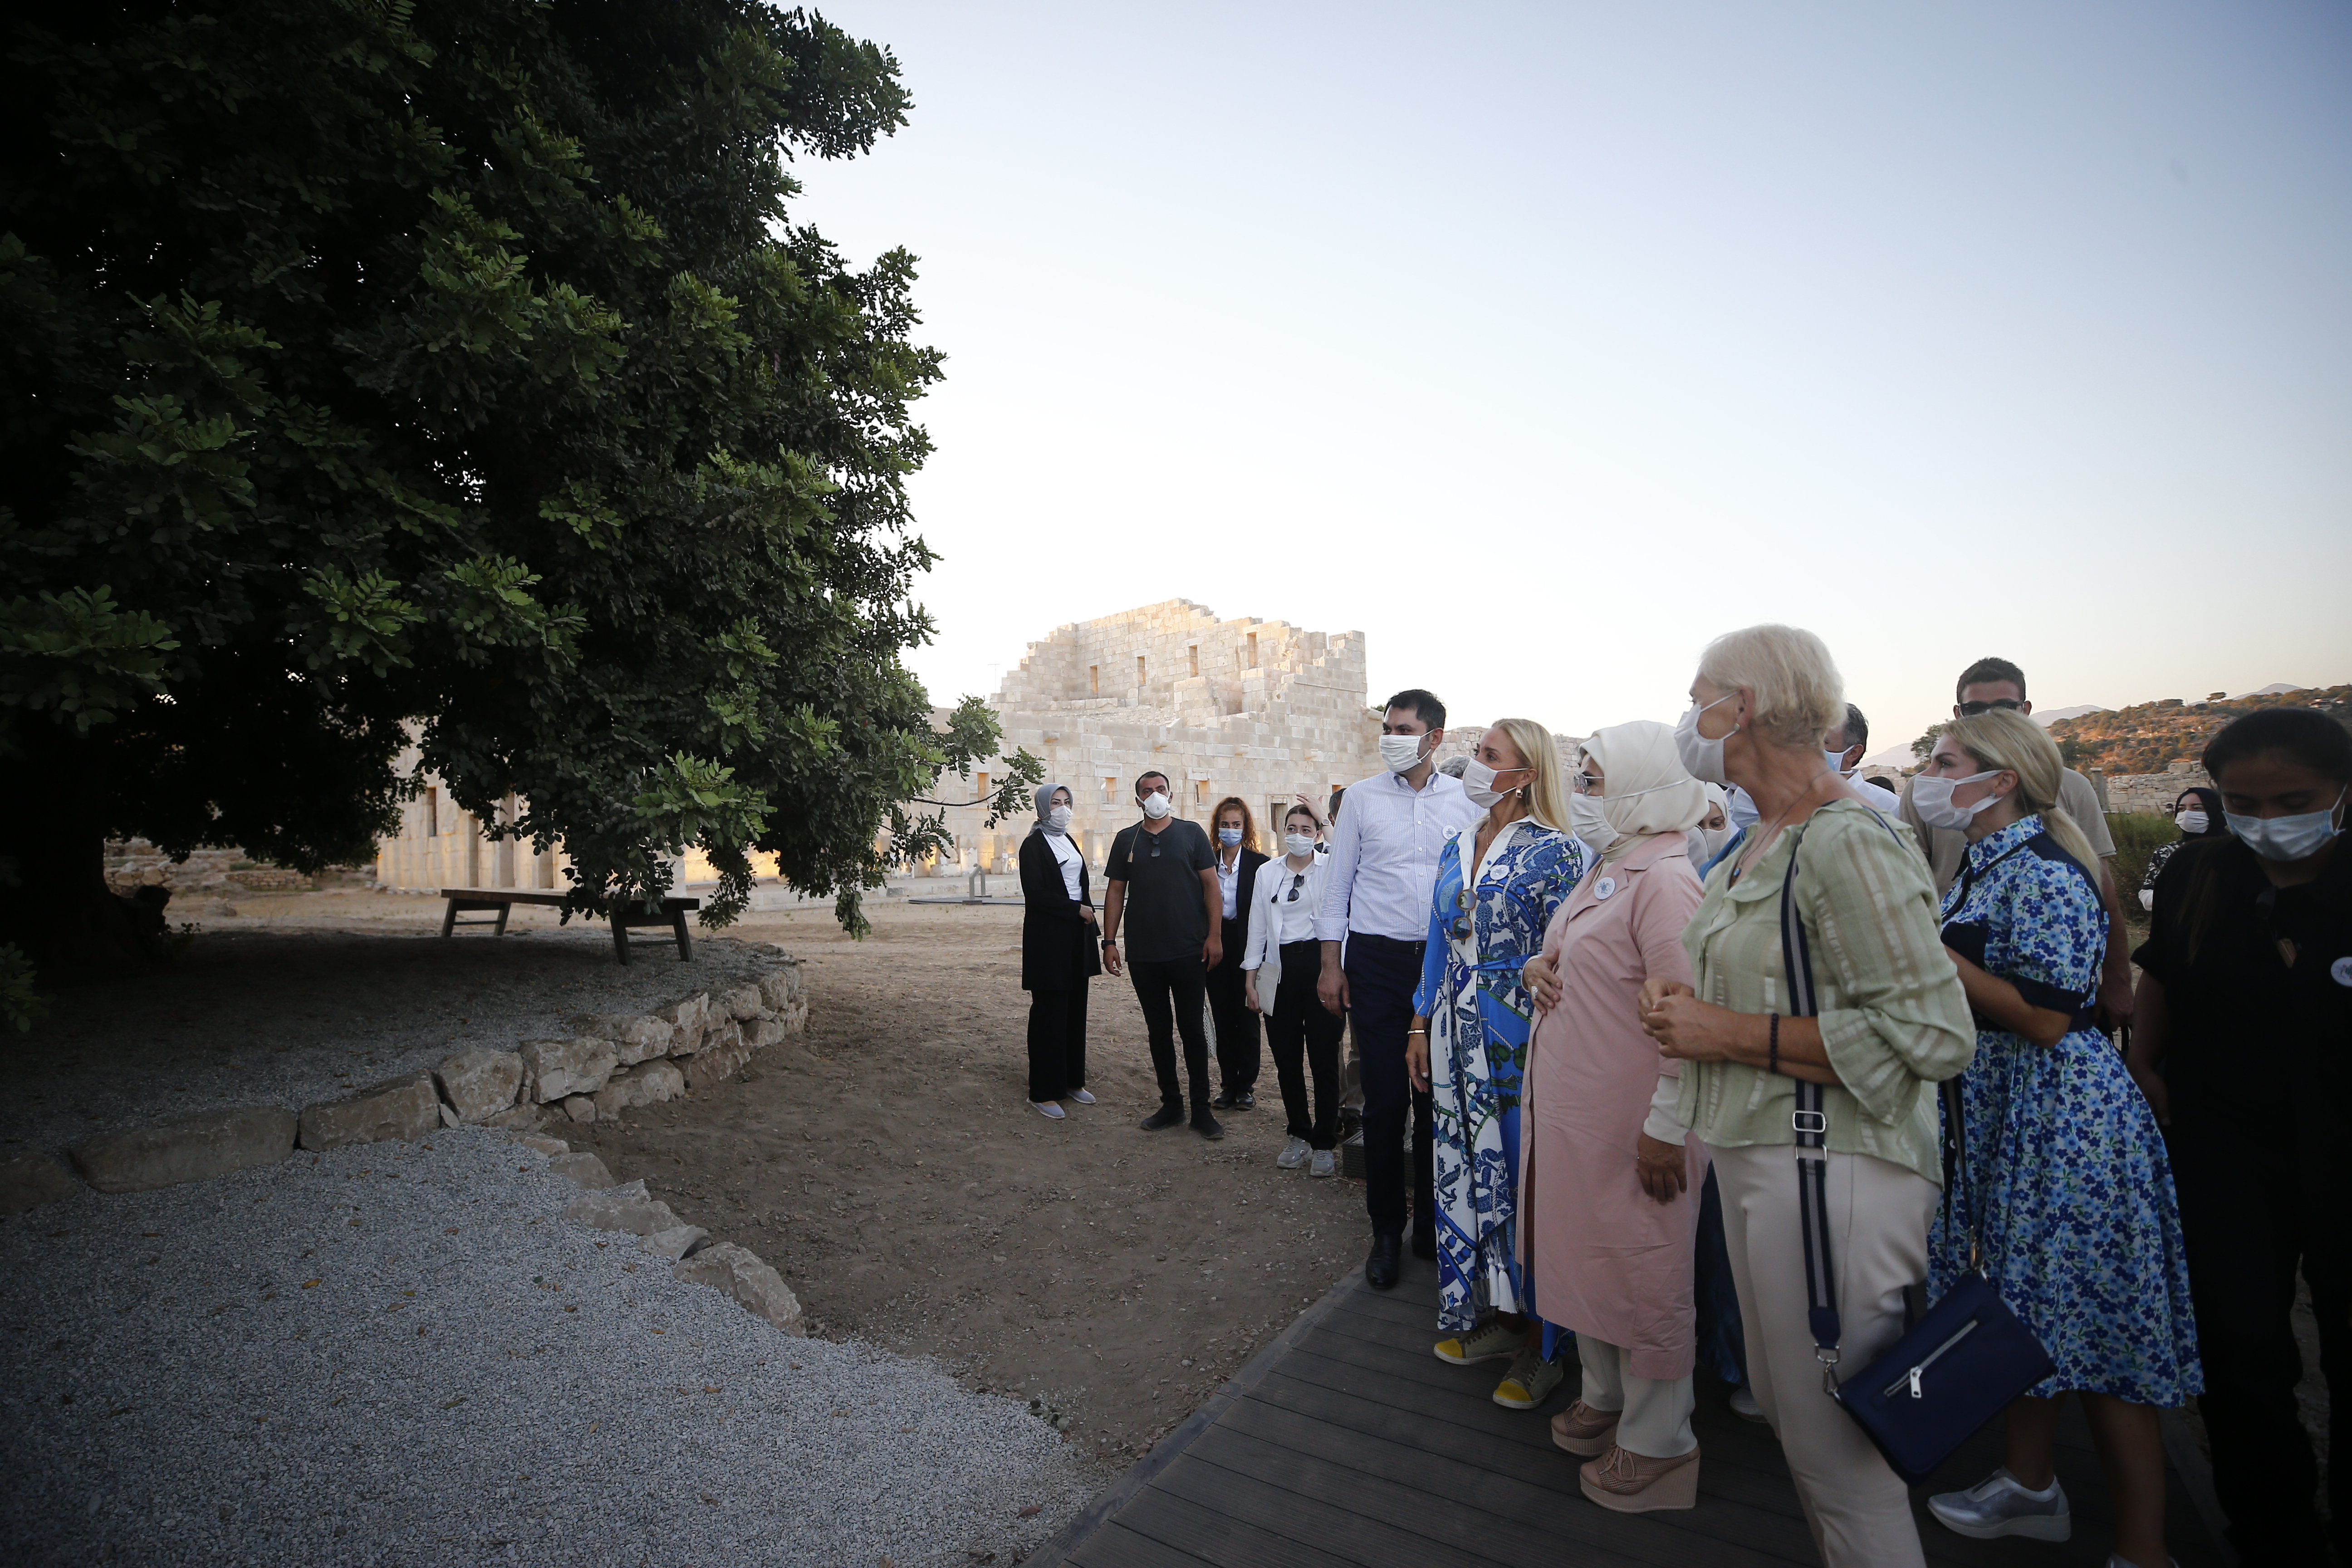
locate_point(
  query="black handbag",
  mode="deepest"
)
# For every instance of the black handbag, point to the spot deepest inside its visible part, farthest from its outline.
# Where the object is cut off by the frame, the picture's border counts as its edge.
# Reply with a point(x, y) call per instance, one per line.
point(1958, 1366)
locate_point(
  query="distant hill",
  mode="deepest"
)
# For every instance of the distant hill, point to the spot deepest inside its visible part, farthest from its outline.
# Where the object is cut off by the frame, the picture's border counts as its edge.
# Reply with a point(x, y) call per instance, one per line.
point(2046, 718)
point(2147, 738)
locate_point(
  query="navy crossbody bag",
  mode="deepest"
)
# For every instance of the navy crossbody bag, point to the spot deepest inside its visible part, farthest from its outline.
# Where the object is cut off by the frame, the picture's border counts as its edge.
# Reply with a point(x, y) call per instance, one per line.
point(1958, 1366)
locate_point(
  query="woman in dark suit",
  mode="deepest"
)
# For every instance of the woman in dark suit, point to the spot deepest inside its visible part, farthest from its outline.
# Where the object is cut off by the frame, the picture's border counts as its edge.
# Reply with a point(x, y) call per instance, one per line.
point(1238, 859)
point(1059, 953)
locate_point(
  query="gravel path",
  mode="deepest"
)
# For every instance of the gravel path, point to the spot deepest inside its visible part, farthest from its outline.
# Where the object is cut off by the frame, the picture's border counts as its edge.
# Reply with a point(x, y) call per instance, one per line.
point(290, 1017)
point(399, 1353)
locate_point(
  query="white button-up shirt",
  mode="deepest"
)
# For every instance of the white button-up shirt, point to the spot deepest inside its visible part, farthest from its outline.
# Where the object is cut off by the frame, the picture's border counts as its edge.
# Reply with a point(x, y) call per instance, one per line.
point(1383, 861)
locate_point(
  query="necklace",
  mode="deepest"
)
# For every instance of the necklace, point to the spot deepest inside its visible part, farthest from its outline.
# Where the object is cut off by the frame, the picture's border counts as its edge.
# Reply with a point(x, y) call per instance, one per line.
point(1747, 861)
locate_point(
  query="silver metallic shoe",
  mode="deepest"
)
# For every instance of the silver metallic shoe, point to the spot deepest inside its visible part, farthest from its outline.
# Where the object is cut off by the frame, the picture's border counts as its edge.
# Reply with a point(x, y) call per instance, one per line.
point(1999, 1505)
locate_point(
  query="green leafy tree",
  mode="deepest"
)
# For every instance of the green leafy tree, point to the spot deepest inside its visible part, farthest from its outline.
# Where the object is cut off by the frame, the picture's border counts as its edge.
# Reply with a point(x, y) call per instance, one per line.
point(373, 369)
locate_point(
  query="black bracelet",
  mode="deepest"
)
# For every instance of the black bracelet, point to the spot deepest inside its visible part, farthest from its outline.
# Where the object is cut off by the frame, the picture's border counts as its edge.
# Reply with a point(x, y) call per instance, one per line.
point(1772, 1044)
point(1111, 942)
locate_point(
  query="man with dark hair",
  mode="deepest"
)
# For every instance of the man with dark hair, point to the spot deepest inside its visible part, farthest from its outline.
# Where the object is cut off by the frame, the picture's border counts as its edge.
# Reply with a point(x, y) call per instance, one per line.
point(1383, 870)
point(1162, 873)
point(1844, 747)
point(1991, 683)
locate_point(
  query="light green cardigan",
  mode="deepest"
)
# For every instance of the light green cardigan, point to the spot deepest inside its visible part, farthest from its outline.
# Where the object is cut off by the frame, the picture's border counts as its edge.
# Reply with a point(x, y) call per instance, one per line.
point(1893, 1016)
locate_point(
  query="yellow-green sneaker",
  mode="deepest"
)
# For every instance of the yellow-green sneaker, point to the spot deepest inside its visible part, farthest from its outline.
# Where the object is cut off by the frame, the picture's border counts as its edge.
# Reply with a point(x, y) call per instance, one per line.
point(1490, 1340)
point(1530, 1382)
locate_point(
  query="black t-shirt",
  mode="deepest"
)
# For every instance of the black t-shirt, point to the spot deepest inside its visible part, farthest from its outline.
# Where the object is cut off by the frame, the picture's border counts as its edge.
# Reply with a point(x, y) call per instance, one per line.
point(2262, 1014)
point(1167, 913)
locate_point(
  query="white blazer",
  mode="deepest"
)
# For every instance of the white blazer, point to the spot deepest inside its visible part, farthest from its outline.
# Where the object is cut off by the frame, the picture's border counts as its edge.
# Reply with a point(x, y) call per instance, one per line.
point(1273, 887)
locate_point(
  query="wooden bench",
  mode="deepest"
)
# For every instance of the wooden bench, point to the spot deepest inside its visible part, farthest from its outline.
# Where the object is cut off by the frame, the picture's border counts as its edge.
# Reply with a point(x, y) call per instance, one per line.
point(468, 900)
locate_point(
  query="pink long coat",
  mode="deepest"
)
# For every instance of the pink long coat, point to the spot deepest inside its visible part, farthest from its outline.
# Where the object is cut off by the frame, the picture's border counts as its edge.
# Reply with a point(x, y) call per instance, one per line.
point(1607, 1259)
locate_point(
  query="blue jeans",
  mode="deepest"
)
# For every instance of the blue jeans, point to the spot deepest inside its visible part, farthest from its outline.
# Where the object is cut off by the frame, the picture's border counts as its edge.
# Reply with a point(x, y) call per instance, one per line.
point(1382, 975)
point(1722, 1346)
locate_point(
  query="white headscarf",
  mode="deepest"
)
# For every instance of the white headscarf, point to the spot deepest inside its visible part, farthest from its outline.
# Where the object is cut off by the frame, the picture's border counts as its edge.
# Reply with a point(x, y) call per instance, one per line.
point(1707, 843)
point(1645, 790)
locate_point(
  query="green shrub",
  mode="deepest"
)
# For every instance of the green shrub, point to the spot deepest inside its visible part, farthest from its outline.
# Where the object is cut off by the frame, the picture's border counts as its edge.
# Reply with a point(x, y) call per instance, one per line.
point(2137, 835)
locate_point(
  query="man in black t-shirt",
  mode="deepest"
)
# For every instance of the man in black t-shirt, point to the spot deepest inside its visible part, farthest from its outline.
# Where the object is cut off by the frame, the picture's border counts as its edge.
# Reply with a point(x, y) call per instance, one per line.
point(1162, 881)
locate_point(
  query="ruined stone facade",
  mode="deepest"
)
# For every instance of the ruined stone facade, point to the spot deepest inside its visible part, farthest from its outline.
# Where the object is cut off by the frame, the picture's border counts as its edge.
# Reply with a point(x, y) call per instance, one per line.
point(1251, 707)
point(2150, 791)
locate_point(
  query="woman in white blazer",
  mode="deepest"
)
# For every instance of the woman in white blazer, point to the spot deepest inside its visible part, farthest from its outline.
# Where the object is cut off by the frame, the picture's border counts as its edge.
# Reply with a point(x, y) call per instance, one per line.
point(1279, 966)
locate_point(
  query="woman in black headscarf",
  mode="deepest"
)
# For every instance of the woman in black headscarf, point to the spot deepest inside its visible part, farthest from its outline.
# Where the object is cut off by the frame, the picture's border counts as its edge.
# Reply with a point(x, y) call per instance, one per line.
point(2197, 815)
point(1059, 954)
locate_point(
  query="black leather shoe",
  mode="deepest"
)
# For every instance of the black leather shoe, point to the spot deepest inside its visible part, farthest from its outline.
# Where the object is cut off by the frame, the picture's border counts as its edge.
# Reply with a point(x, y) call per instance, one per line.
point(1207, 1126)
point(1380, 1263)
point(1224, 1101)
point(1166, 1116)
point(1425, 1244)
point(1245, 1101)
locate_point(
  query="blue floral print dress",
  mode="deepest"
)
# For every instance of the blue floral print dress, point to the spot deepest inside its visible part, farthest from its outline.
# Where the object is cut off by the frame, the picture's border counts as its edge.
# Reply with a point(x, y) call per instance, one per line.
point(1479, 1018)
point(2066, 1170)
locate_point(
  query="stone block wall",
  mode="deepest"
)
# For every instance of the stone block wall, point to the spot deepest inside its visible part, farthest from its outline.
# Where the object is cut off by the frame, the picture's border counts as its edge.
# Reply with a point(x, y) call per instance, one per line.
point(135, 863)
point(2153, 791)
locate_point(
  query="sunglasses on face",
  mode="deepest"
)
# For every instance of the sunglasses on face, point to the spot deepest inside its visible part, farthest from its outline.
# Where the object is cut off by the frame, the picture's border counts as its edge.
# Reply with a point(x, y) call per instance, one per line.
point(1971, 710)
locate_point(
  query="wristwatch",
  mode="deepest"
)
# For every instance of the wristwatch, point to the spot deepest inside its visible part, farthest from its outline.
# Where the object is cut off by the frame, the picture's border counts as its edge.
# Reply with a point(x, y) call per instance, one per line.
point(1111, 942)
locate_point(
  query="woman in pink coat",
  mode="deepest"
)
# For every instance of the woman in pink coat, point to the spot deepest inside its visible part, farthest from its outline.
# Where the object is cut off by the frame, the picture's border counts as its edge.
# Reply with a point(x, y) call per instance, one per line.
point(1609, 1180)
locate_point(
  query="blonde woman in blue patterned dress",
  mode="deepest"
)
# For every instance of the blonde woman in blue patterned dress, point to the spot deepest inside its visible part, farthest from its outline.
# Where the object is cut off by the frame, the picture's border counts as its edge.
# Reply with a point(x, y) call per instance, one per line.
point(2067, 1189)
point(1499, 881)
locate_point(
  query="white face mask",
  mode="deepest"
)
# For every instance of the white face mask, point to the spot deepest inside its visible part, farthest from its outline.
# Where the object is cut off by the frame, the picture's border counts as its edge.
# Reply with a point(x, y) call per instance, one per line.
point(1702, 758)
point(1836, 760)
point(1058, 819)
point(1933, 795)
point(1299, 845)
point(1400, 751)
point(2296, 837)
point(1589, 822)
point(1156, 806)
point(1478, 783)
point(2192, 821)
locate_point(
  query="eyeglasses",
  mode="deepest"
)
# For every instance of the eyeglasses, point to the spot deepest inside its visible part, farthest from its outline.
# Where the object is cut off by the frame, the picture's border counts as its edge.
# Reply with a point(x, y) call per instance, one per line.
point(1297, 880)
point(1583, 784)
point(1971, 710)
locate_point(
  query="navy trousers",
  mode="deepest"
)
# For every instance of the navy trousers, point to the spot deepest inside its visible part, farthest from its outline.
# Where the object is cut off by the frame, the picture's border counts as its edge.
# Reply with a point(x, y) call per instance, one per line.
point(1382, 975)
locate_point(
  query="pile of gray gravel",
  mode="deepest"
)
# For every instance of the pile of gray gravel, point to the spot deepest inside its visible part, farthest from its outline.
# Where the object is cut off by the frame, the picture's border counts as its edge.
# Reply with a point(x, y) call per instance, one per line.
point(279, 1017)
point(397, 1353)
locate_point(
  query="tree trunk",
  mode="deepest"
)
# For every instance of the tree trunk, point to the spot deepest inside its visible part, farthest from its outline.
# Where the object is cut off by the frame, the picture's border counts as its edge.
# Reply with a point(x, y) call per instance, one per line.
point(58, 907)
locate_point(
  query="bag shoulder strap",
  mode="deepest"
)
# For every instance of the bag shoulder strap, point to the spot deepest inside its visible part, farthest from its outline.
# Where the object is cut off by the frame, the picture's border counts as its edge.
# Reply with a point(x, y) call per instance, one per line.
point(1810, 1122)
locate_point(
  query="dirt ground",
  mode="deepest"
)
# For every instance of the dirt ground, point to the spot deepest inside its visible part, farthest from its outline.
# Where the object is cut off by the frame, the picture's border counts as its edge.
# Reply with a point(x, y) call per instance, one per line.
point(894, 1171)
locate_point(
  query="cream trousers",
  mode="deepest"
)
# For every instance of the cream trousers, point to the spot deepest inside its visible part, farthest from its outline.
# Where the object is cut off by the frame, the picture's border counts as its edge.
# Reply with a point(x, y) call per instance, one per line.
point(1655, 1422)
point(1859, 1510)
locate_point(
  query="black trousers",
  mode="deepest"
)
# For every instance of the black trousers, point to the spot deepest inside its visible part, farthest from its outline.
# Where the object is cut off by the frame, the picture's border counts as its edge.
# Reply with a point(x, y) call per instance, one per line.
point(1058, 1043)
point(2247, 1231)
point(1382, 975)
point(1237, 1052)
point(1179, 985)
point(1304, 1037)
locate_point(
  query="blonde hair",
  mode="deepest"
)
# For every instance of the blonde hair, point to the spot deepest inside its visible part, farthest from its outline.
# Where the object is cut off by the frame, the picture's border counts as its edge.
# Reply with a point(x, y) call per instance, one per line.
point(1547, 793)
point(1999, 740)
point(1795, 693)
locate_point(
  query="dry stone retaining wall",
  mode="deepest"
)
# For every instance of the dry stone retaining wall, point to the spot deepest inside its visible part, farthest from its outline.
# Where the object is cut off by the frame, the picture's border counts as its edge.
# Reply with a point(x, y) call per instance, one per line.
point(603, 1064)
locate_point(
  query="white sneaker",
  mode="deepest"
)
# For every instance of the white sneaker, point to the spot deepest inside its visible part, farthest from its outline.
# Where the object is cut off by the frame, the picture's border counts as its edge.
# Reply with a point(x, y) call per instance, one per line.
point(1744, 1406)
point(1082, 1097)
point(1046, 1108)
point(2000, 1505)
point(1327, 1163)
point(1294, 1154)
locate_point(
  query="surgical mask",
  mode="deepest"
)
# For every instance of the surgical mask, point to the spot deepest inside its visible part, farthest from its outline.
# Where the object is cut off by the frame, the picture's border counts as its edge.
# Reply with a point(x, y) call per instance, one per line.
point(1933, 795)
point(1298, 844)
point(1478, 783)
point(1156, 806)
point(1702, 758)
point(1589, 822)
point(1836, 760)
point(1229, 836)
point(2192, 822)
point(1400, 751)
point(1058, 819)
point(2296, 837)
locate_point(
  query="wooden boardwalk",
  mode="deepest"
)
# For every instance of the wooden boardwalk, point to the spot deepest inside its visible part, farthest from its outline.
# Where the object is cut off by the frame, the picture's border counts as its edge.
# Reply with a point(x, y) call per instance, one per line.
point(1346, 1444)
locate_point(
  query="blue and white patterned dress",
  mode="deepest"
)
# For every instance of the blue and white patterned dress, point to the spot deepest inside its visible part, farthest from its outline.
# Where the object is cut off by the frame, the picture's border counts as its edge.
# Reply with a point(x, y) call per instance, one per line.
point(2081, 1230)
point(1479, 1018)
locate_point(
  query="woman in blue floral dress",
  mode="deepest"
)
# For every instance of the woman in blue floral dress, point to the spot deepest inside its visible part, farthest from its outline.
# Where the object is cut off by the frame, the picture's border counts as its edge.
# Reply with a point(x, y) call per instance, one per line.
point(2066, 1192)
point(1498, 882)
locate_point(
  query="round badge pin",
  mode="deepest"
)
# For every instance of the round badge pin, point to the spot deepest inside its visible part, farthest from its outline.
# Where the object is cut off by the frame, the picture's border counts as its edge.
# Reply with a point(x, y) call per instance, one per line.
point(1608, 885)
point(2340, 972)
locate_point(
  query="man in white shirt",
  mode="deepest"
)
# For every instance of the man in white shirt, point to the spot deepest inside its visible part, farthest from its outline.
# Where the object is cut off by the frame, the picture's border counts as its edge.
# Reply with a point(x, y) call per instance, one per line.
point(1383, 872)
point(1845, 747)
point(1997, 683)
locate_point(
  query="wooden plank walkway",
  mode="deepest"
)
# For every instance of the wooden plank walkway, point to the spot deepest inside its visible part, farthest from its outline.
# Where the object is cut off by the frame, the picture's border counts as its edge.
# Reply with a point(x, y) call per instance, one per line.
point(1346, 1444)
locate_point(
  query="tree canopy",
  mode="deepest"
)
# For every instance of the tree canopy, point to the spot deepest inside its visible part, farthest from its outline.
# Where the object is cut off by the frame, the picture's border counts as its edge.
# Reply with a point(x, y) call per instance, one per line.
point(454, 369)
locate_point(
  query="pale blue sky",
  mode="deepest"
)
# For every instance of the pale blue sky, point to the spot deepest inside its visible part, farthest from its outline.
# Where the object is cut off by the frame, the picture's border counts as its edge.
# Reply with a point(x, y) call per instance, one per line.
point(1541, 342)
